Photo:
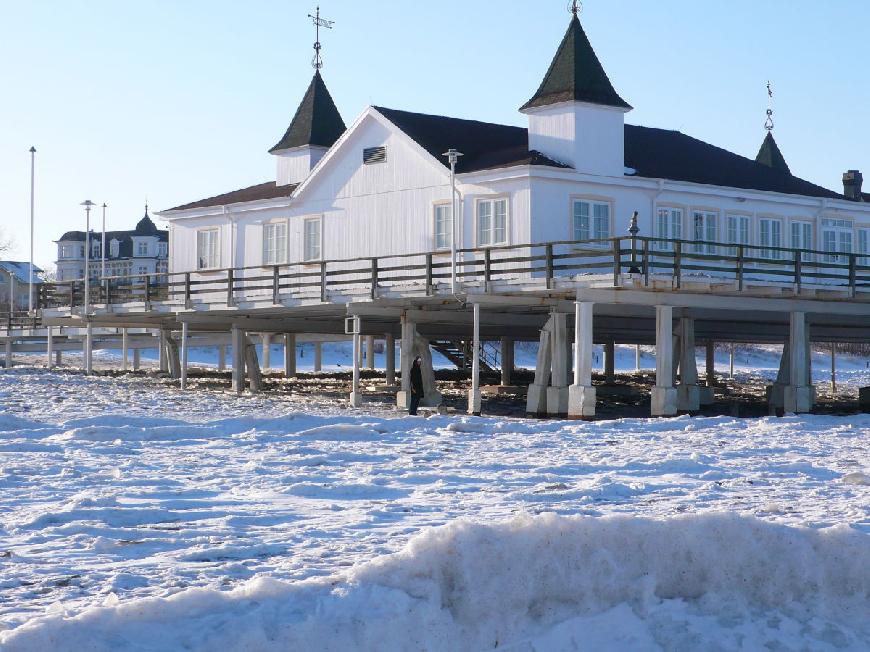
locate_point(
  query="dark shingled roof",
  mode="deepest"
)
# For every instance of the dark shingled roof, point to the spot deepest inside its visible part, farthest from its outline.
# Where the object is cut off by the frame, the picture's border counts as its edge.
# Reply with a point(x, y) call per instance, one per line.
point(770, 155)
point(317, 120)
point(576, 74)
point(268, 190)
point(484, 145)
point(145, 227)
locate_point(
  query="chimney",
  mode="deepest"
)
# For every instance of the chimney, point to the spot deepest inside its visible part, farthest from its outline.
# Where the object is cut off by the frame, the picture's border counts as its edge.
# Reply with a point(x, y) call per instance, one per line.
point(852, 181)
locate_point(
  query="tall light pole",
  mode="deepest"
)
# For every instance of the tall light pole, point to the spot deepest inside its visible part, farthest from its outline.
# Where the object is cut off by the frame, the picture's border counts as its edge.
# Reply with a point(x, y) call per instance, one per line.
point(452, 157)
point(87, 204)
point(103, 247)
point(32, 179)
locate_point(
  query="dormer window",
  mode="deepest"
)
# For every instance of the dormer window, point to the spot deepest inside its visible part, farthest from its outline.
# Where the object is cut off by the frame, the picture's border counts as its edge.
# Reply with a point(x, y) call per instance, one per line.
point(162, 249)
point(141, 248)
point(114, 248)
point(95, 247)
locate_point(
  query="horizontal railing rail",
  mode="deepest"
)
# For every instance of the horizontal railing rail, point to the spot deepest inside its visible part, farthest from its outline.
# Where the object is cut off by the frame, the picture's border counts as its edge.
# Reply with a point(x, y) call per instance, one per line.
point(647, 258)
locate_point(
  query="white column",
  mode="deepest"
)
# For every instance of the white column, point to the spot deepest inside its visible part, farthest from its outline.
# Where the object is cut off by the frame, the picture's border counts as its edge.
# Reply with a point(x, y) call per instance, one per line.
point(390, 356)
point(664, 396)
point(370, 352)
point(222, 357)
point(238, 345)
point(507, 360)
point(403, 397)
point(125, 348)
point(355, 397)
point(49, 348)
point(89, 349)
point(474, 400)
point(162, 356)
point(688, 393)
point(290, 355)
point(267, 352)
point(557, 393)
point(252, 366)
point(581, 394)
point(536, 399)
point(184, 334)
point(731, 362)
point(637, 357)
point(137, 359)
point(318, 357)
point(798, 393)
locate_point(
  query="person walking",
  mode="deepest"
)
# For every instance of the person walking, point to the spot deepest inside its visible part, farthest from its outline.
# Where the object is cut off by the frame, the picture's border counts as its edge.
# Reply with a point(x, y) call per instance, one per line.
point(416, 385)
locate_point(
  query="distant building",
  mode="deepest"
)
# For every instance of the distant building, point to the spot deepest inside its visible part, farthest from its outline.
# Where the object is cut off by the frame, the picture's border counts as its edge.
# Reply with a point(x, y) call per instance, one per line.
point(144, 250)
point(15, 282)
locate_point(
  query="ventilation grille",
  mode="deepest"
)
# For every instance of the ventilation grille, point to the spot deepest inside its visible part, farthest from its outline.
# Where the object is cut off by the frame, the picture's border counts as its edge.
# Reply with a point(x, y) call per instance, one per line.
point(373, 155)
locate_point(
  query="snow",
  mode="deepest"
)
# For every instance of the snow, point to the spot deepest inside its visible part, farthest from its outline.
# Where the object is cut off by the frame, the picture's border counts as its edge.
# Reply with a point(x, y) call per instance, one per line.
point(138, 517)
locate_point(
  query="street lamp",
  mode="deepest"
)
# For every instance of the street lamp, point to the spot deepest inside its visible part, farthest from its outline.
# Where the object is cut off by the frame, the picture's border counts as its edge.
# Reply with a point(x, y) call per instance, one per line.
point(103, 247)
point(452, 158)
point(87, 204)
point(32, 178)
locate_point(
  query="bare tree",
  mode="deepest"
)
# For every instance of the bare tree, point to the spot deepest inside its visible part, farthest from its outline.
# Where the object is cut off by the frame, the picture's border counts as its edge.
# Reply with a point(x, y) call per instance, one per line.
point(6, 244)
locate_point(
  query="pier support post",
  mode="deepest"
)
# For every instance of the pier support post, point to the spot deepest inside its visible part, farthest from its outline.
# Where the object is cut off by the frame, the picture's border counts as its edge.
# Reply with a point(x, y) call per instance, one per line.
point(609, 362)
point(536, 400)
point(58, 358)
point(707, 393)
point(89, 349)
point(173, 358)
point(8, 344)
point(137, 359)
point(403, 397)
point(162, 351)
point(390, 357)
point(355, 396)
point(581, 394)
point(637, 357)
point(49, 346)
point(184, 334)
point(125, 348)
point(474, 399)
point(290, 355)
point(252, 366)
point(688, 392)
point(318, 357)
point(507, 360)
point(557, 392)
point(833, 368)
point(267, 352)
point(798, 394)
point(238, 350)
point(222, 357)
point(370, 352)
point(663, 400)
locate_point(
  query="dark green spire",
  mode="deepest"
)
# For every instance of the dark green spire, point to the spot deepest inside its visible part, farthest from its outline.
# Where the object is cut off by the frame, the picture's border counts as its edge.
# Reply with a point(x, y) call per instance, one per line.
point(770, 155)
point(576, 75)
point(317, 120)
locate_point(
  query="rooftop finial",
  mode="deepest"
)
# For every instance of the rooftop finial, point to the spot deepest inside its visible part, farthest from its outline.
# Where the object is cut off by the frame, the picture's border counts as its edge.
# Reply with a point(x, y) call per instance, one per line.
point(318, 22)
point(146, 207)
point(768, 124)
point(575, 7)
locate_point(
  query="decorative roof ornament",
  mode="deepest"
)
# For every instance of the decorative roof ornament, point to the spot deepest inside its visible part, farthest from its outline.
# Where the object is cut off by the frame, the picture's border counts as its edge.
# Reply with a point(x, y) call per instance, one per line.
point(768, 124)
point(318, 22)
point(575, 8)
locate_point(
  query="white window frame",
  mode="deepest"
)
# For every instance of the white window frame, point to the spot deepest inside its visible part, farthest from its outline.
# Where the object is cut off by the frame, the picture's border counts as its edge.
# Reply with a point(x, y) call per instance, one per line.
point(307, 255)
point(837, 229)
point(738, 231)
point(162, 249)
point(708, 235)
point(593, 228)
point(770, 235)
point(487, 237)
point(801, 237)
point(277, 252)
point(114, 248)
point(207, 263)
point(446, 243)
point(668, 226)
point(141, 249)
point(863, 242)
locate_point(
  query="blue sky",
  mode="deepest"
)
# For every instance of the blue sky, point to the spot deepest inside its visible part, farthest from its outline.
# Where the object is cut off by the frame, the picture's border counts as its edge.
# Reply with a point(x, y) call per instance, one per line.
point(181, 100)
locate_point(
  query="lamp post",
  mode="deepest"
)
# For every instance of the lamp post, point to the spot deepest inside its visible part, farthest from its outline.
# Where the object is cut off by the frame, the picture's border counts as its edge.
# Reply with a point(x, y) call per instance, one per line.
point(103, 248)
point(30, 279)
point(87, 204)
point(633, 230)
point(452, 158)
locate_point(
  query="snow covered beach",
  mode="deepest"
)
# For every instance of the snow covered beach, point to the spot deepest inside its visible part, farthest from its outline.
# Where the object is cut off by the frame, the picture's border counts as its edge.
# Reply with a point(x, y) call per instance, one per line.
point(137, 517)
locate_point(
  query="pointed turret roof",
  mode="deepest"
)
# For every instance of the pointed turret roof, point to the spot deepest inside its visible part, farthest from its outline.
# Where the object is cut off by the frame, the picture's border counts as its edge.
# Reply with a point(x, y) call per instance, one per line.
point(317, 120)
point(770, 155)
point(576, 74)
point(146, 225)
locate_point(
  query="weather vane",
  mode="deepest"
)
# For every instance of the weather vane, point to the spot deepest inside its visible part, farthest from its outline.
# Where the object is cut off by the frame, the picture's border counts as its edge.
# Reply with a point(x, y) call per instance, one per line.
point(318, 22)
point(768, 124)
point(575, 7)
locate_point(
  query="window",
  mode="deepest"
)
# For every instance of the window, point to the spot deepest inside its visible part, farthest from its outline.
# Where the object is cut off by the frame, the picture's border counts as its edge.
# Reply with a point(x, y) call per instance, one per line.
point(802, 237)
point(275, 243)
point(95, 248)
point(82, 251)
point(669, 226)
point(769, 235)
point(704, 229)
point(836, 238)
point(142, 270)
point(114, 248)
point(207, 249)
point(591, 220)
point(312, 239)
point(141, 248)
point(373, 155)
point(163, 250)
point(443, 226)
point(491, 222)
point(738, 231)
point(864, 246)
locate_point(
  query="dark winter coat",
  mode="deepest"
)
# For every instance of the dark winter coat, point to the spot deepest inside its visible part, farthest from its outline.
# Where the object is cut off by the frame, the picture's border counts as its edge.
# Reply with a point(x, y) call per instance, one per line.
point(417, 380)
